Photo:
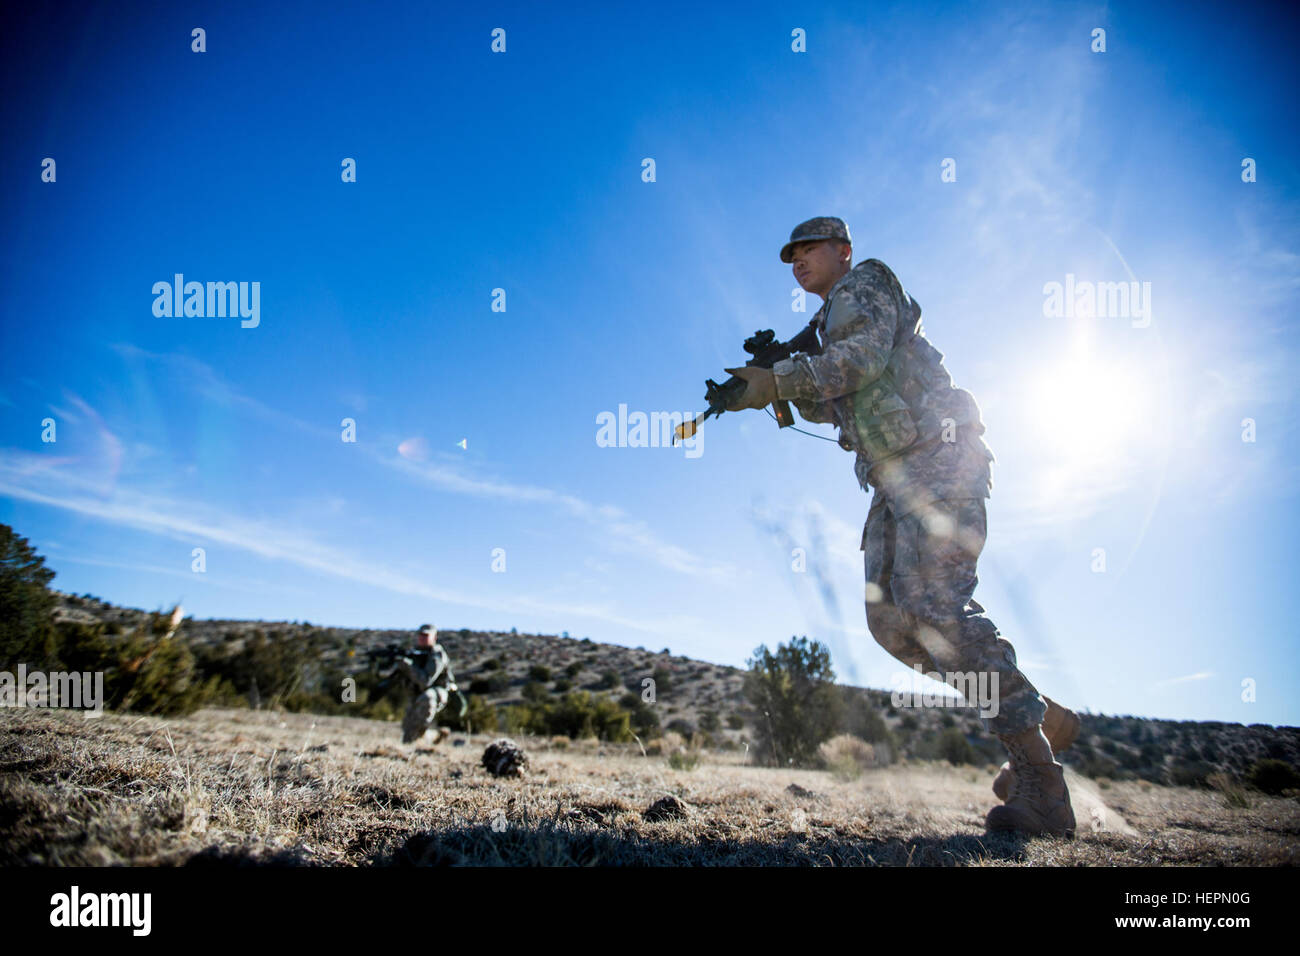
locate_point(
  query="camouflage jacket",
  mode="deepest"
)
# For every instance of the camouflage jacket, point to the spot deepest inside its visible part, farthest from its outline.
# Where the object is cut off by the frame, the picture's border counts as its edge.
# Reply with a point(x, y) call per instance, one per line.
point(427, 669)
point(885, 387)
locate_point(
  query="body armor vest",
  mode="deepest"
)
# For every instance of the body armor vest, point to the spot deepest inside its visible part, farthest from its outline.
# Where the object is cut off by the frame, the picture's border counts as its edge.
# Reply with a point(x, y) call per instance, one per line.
point(910, 403)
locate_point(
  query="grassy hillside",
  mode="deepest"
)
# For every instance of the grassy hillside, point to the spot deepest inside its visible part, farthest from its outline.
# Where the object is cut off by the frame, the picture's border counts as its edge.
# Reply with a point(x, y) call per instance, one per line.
point(692, 697)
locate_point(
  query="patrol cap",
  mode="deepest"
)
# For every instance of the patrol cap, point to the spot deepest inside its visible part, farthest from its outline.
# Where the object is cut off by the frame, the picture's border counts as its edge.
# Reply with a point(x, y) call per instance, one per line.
point(428, 629)
point(819, 227)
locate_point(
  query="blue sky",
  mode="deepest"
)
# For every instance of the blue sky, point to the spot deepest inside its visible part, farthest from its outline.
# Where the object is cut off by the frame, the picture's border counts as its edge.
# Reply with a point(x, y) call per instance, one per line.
point(522, 171)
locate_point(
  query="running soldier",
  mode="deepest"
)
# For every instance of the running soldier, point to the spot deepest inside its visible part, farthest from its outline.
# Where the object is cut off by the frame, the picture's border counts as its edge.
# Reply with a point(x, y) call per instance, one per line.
point(918, 448)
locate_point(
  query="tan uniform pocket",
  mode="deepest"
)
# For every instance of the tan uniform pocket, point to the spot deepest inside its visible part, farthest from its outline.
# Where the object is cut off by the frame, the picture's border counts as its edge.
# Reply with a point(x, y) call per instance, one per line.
point(883, 422)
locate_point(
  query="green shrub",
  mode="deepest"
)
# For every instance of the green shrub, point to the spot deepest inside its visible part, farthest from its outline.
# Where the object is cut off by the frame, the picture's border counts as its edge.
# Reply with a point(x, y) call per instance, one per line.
point(520, 719)
point(1189, 773)
point(644, 718)
point(1273, 776)
point(480, 716)
point(955, 748)
point(862, 719)
point(844, 768)
point(539, 672)
point(494, 684)
point(27, 634)
point(574, 669)
point(684, 759)
point(578, 714)
point(793, 690)
point(663, 678)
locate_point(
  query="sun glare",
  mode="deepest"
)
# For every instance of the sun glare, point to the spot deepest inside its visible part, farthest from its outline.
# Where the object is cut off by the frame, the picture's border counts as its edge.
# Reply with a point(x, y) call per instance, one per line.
point(1088, 411)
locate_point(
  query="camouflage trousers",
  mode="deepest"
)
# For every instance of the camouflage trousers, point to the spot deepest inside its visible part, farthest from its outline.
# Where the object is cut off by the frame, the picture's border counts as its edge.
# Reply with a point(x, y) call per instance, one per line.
point(920, 571)
point(421, 712)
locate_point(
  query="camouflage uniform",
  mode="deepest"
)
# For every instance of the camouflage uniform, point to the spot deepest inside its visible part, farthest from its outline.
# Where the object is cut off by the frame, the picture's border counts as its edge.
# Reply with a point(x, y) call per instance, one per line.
point(918, 447)
point(430, 672)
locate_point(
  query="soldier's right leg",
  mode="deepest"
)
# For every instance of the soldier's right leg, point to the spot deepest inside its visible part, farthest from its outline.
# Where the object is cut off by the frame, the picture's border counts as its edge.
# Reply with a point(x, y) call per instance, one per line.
point(892, 628)
point(421, 713)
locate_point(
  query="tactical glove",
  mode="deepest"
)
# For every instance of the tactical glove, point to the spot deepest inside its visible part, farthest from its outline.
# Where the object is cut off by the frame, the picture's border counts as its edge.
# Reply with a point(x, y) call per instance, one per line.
point(760, 390)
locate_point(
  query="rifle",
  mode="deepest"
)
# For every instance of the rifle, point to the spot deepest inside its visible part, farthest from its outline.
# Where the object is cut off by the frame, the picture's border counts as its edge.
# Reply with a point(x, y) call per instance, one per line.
point(386, 653)
point(766, 352)
point(384, 657)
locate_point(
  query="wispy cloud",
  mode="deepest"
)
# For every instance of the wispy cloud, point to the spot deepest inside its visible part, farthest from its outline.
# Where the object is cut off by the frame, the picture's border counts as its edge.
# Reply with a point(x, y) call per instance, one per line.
point(58, 556)
point(1199, 675)
point(193, 522)
point(616, 526)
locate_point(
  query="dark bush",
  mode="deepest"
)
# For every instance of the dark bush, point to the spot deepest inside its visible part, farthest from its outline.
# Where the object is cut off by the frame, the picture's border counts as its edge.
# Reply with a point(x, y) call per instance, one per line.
point(26, 632)
point(493, 684)
point(1188, 773)
point(798, 705)
point(955, 748)
point(683, 727)
point(1273, 776)
point(663, 679)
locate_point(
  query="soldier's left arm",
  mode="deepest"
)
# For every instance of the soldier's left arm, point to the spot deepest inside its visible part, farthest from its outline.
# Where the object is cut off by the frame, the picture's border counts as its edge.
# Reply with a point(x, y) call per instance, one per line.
point(441, 663)
point(861, 324)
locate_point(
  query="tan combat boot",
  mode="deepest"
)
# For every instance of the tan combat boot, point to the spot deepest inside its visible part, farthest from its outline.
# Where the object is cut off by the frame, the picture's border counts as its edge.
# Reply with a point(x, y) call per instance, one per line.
point(1039, 802)
point(1060, 725)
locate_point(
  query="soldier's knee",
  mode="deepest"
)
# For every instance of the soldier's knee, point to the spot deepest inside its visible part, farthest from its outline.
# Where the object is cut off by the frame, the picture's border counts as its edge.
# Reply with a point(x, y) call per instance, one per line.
point(895, 632)
point(887, 625)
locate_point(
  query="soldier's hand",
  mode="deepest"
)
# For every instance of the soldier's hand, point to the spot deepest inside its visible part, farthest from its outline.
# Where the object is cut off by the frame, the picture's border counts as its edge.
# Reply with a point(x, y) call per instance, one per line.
point(760, 388)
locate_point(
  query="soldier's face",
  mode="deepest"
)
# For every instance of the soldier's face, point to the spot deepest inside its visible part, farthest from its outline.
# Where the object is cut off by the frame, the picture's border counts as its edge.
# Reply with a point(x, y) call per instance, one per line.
point(818, 265)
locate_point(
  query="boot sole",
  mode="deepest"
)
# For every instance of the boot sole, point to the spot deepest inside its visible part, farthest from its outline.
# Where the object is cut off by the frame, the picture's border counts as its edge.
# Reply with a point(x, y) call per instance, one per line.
point(1065, 832)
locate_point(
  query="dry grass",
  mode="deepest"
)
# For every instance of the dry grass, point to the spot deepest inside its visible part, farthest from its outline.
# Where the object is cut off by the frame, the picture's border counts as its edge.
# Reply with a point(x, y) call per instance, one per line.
point(240, 786)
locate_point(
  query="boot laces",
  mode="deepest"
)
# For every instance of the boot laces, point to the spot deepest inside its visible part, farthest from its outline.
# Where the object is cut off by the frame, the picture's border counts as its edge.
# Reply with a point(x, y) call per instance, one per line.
point(1028, 781)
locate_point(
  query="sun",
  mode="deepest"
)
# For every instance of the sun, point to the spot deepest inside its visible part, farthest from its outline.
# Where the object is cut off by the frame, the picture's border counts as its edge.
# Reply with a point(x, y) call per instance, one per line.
point(1086, 411)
